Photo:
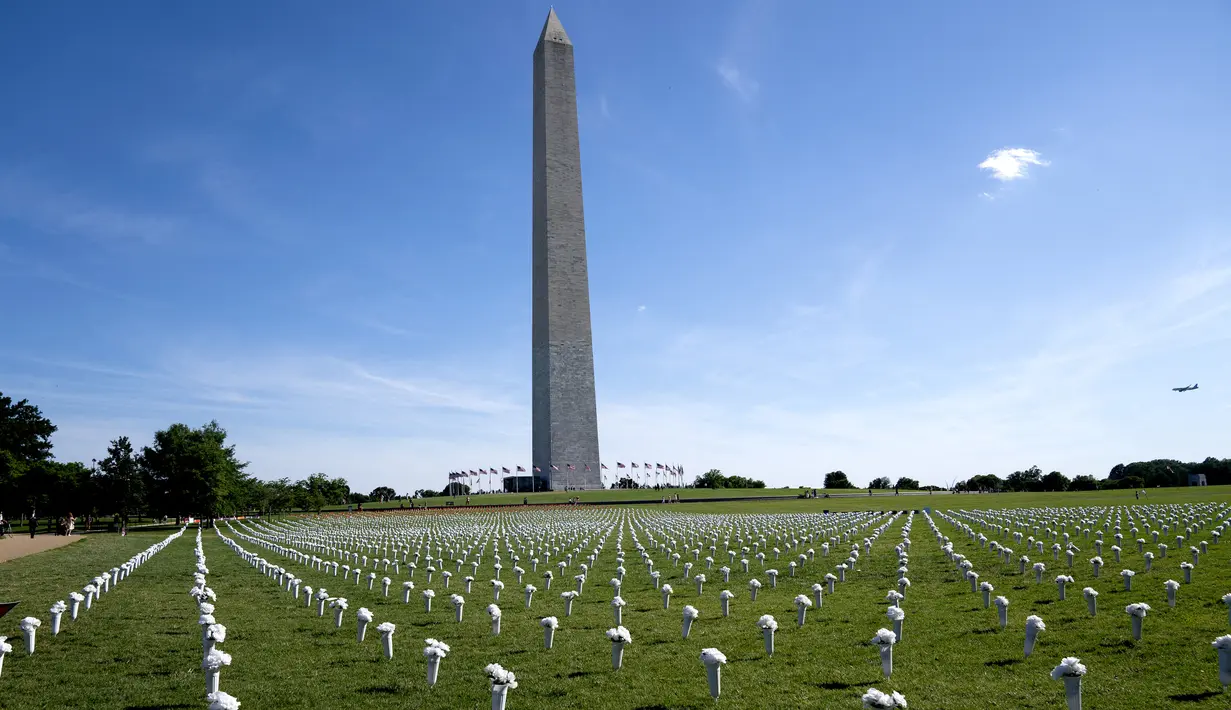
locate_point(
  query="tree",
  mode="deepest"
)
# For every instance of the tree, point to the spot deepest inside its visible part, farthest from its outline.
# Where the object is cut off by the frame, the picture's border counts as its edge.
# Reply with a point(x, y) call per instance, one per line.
point(1028, 480)
point(712, 478)
point(907, 484)
point(120, 479)
point(1083, 483)
point(382, 494)
point(24, 431)
point(1055, 481)
point(880, 483)
point(193, 471)
point(837, 479)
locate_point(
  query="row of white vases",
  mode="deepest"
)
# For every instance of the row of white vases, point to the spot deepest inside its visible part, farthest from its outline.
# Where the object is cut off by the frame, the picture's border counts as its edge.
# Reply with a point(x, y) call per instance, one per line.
point(97, 587)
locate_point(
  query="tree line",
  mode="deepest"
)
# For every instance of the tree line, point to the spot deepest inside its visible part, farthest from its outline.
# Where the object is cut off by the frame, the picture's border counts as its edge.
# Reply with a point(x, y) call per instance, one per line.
point(1164, 473)
point(185, 471)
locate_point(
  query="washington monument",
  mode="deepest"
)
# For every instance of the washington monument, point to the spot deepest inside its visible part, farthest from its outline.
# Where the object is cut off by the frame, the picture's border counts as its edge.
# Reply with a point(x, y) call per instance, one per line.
point(565, 415)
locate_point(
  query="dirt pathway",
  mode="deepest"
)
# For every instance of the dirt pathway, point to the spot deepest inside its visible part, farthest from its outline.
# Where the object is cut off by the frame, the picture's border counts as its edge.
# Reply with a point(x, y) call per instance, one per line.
point(21, 545)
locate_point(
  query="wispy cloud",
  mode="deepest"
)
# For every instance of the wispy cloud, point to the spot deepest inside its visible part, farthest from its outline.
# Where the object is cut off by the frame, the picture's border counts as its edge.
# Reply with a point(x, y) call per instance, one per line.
point(60, 211)
point(1011, 163)
point(742, 85)
point(641, 309)
point(603, 108)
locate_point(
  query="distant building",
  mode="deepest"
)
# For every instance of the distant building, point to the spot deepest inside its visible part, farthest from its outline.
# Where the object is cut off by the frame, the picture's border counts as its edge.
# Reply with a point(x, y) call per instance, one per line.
point(1196, 479)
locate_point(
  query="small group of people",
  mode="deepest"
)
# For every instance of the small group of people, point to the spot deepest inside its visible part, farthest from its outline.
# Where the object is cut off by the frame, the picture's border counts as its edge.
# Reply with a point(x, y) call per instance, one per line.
point(674, 498)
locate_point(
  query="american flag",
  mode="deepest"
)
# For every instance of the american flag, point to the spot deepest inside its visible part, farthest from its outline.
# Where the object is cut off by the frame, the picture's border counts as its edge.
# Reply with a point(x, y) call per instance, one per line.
point(537, 469)
point(504, 470)
point(522, 470)
point(657, 466)
point(604, 467)
point(645, 465)
point(587, 466)
point(554, 467)
point(571, 467)
point(620, 465)
point(634, 465)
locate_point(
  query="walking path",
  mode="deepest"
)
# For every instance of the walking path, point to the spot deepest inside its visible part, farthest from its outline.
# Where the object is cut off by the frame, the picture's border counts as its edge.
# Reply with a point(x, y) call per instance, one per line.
point(21, 545)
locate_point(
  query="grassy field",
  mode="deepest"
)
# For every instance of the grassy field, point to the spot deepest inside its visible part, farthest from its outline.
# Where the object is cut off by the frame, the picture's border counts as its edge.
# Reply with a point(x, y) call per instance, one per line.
point(140, 646)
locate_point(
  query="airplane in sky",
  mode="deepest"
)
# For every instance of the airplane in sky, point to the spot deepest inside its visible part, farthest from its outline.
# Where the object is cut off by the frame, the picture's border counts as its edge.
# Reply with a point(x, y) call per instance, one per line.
point(1184, 389)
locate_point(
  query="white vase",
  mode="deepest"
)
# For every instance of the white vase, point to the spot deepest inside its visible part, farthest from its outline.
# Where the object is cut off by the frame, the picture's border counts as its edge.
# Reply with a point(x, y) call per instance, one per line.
point(1003, 612)
point(619, 615)
point(362, 627)
point(495, 626)
point(55, 624)
point(769, 640)
point(1072, 691)
point(433, 670)
point(30, 635)
point(802, 614)
point(887, 660)
point(211, 681)
point(549, 635)
point(1224, 667)
point(386, 642)
point(617, 655)
point(726, 606)
point(897, 628)
point(500, 694)
point(714, 675)
point(687, 625)
point(1137, 627)
point(666, 600)
point(74, 606)
point(457, 612)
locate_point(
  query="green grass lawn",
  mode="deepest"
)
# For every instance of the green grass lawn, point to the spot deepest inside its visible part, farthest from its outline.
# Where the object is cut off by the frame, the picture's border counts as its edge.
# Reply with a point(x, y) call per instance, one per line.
point(140, 646)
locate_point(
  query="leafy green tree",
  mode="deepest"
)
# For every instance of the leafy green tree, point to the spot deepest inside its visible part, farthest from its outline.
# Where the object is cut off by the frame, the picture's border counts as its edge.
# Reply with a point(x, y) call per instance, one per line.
point(1083, 483)
point(880, 483)
point(193, 471)
point(837, 479)
point(24, 431)
point(120, 481)
point(1055, 481)
point(712, 478)
point(907, 484)
point(1028, 480)
point(382, 494)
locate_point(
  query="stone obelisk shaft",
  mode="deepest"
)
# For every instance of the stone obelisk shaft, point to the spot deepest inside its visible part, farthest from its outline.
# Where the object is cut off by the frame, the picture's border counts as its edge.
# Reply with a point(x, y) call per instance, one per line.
point(565, 415)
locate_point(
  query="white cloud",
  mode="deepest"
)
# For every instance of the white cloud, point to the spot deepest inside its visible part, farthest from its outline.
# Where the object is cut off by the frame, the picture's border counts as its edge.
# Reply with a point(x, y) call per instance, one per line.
point(65, 212)
point(744, 86)
point(1011, 163)
point(603, 108)
point(641, 309)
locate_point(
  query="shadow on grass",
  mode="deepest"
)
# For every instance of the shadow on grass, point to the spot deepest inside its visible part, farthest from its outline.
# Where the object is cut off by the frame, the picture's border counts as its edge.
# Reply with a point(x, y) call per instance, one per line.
point(834, 685)
point(380, 690)
point(1124, 643)
point(580, 674)
point(983, 631)
point(1193, 697)
point(1004, 663)
point(159, 707)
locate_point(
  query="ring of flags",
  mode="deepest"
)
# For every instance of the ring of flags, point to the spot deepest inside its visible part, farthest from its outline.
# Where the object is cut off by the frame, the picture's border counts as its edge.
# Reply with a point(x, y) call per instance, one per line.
point(642, 473)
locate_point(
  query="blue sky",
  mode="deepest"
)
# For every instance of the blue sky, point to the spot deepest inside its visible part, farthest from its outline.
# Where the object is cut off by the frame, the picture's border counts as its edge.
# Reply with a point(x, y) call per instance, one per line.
point(312, 223)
